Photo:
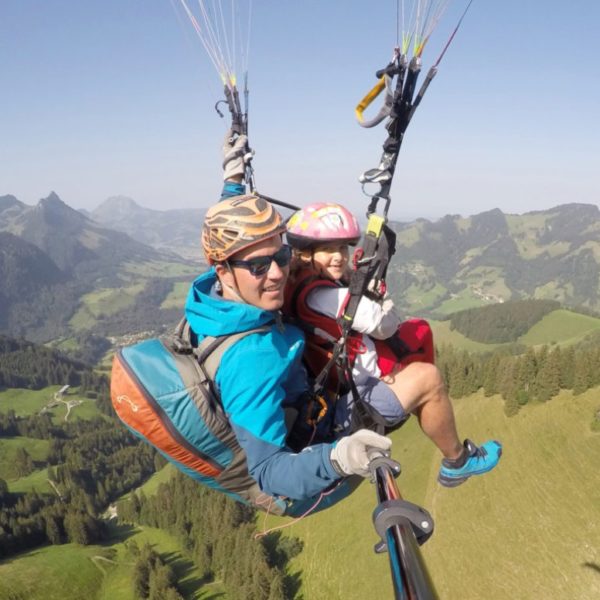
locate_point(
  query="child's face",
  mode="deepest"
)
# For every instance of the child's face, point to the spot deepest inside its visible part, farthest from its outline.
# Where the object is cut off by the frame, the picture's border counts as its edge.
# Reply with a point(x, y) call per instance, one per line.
point(331, 260)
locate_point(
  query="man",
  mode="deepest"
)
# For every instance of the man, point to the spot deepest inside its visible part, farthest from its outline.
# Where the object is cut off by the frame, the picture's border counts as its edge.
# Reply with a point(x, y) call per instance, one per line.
point(261, 380)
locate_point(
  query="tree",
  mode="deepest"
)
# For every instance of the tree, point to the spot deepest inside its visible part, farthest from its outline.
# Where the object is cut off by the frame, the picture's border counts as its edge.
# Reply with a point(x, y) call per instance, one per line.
point(583, 373)
point(23, 463)
point(548, 377)
point(141, 576)
point(567, 368)
point(76, 529)
point(4, 493)
point(53, 532)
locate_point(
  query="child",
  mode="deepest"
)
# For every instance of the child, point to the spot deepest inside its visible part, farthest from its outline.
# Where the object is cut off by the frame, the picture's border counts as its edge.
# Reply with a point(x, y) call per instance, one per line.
point(317, 290)
point(315, 295)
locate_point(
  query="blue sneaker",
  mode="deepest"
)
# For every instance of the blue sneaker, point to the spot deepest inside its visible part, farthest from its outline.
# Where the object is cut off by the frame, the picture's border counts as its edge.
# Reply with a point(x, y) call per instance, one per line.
point(479, 460)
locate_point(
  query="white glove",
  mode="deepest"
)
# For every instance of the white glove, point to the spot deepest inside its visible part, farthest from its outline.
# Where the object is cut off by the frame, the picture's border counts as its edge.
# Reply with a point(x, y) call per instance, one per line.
point(350, 456)
point(236, 154)
point(388, 322)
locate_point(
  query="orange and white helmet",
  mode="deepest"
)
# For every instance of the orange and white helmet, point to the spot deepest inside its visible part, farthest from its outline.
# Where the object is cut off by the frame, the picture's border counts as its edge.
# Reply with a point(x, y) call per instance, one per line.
point(320, 223)
point(237, 223)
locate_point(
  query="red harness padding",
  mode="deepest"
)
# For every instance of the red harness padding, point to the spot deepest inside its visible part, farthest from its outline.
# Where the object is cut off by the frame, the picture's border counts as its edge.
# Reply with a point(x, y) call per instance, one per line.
point(416, 345)
point(415, 338)
point(318, 348)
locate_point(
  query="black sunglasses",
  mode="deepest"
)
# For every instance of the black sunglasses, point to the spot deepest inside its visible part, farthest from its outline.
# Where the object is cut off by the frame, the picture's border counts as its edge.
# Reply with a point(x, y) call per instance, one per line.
point(260, 265)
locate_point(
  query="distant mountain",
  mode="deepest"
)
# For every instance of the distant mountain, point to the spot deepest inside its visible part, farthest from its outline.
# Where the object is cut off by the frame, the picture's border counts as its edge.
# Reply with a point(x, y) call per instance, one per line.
point(457, 263)
point(24, 270)
point(439, 268)
point(52, 258)
point(68, 237)
point(177, 230)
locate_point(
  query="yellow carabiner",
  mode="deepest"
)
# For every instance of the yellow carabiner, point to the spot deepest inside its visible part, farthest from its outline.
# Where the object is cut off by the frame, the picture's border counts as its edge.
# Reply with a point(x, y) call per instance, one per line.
point(370, 96)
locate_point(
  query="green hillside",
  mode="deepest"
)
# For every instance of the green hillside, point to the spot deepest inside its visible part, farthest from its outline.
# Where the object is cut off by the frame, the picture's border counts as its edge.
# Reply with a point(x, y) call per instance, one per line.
point(38, 481)
point(456, 263)
point(30, 402)
point(534, 524)
point(562, 327)
point(37, 449)
point(442, 334)
point(74, 572)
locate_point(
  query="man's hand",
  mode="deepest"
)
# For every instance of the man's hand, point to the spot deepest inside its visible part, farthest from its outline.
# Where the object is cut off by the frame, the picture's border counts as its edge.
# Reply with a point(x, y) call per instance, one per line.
point(236, 154)
point(350, 456)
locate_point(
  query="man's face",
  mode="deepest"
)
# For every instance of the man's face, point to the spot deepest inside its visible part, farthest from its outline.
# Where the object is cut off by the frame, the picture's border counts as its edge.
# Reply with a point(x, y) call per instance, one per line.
point(263, 291)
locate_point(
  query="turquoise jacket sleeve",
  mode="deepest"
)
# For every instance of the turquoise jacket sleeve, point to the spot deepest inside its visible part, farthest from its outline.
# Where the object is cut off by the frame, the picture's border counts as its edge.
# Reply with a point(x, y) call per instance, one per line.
point(231, 188)
point(253, 398)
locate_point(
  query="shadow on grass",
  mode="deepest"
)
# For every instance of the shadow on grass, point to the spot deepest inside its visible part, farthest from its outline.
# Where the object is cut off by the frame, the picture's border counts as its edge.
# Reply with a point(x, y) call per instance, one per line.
point(280, 550)
point(593, 566)
point(188, 583)
point(292, 583)
point(118, 533)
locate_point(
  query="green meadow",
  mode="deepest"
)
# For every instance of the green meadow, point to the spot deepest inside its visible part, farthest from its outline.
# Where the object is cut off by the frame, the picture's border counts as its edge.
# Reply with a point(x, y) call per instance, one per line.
point(104, 302)
point(98, 572)
point(37, 449)
point(150, 487)
point(30, 402)
point(442, 334)
point(38, 481)
point(562, 327)
point(530, 529)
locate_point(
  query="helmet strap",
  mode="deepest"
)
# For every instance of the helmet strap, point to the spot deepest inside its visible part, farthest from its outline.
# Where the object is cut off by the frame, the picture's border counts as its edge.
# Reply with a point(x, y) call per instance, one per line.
point(233, 293)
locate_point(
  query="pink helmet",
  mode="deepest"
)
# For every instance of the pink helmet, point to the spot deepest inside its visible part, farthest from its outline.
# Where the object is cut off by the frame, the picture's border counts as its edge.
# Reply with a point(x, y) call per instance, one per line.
point(322, 222)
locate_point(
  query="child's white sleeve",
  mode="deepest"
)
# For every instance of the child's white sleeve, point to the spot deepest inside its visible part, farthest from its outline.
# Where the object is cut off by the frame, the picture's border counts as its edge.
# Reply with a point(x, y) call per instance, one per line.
point(378, 320)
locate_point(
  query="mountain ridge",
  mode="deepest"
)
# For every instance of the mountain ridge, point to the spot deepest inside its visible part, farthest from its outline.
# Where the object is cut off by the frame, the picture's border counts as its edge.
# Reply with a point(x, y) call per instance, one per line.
point(53, 257)
point(456, 262)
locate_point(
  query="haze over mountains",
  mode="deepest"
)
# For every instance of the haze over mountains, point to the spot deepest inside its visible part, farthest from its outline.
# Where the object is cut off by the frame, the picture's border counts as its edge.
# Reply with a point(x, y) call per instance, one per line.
point(177, 230)
point(52, 256)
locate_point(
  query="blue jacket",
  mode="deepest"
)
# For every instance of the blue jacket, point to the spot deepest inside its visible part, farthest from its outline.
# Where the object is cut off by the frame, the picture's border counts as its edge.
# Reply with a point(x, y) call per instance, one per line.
point(258, 376)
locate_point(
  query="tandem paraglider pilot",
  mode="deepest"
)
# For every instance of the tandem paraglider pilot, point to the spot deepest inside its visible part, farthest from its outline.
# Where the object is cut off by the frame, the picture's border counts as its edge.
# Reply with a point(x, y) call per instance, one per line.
point(261, 381)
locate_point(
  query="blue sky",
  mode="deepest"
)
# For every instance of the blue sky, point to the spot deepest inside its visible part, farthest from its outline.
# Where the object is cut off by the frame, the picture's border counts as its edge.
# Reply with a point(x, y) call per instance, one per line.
point(115, 97)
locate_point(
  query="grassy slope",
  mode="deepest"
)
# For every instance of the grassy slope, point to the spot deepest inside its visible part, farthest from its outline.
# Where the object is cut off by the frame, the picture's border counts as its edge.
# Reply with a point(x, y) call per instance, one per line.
point(151, 485)
point(37, 449)
point(73, 572)
point(560, 326)
point(38, 481)
point(338, 559)
point(104, 301)
point(534, 524)
point(442, 334)
point(176, 298)
point(51, 573)
point(30, 402)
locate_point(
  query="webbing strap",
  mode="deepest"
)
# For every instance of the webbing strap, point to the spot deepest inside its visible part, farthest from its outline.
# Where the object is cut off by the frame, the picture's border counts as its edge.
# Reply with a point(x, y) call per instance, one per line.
point(211, 349)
